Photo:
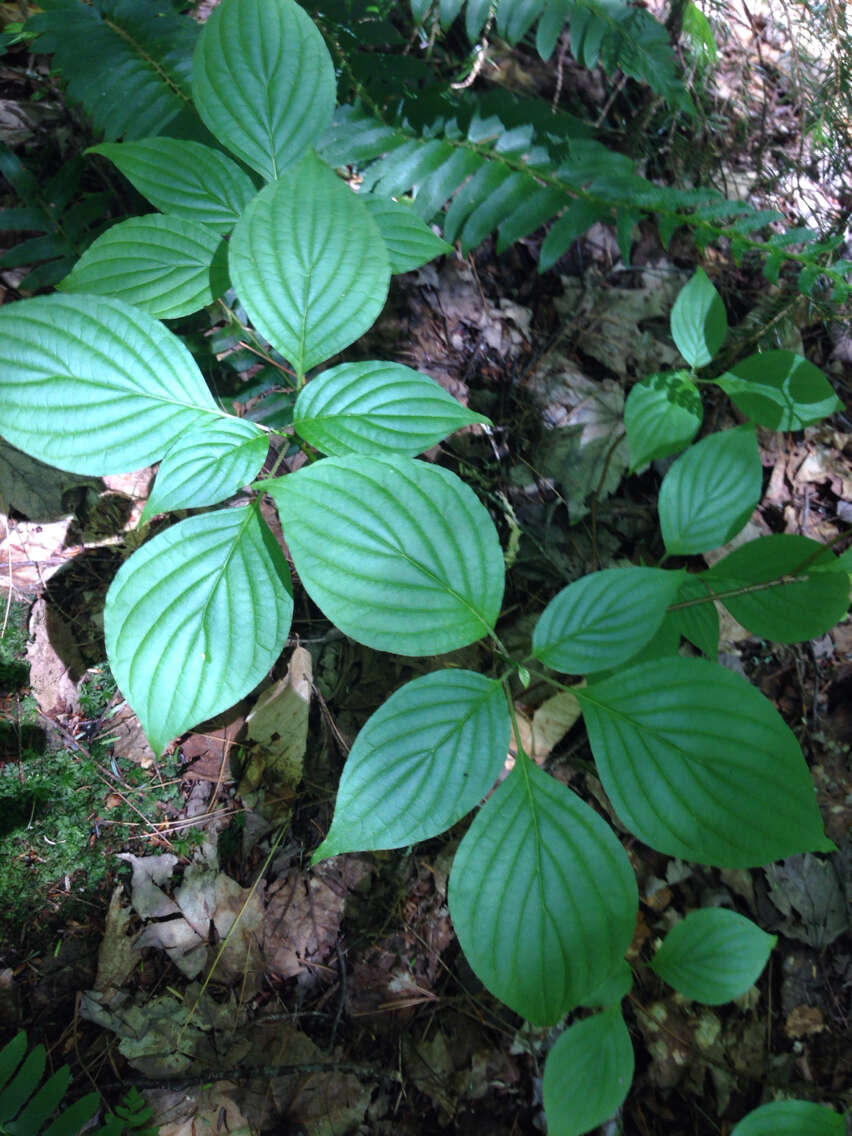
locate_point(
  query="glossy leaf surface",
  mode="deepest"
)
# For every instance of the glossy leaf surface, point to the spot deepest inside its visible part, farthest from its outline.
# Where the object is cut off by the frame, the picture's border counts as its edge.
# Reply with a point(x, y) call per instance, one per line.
point(426, 757)
point(780, 390)
point(263, 82)
point(399, 554)
point(588, 1073)
point(604, 618)
point(410, 241)
point(182, 178)
point(710, 492)
point(542, 896)
point(308, 262)
point(791, 612)
point(791, 1118)
point(617, 986)
point(93, 385)
point(662, 416)
point(698, 764)
point(377, 408)
point(698, 321)
point(166, 266)
point(195, 619)
point(713, 955)
point(206, 465)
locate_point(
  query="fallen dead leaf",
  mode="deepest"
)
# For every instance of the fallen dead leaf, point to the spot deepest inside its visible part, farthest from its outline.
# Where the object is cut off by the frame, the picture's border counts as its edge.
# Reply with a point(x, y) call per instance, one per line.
point(278, 729)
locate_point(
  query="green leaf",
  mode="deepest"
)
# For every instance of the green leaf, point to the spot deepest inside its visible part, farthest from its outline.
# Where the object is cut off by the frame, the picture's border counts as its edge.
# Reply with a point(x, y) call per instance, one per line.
point(700, 622)
point(93, 385)
point(698, 321)
point(309, 264)
point(127, 62)
point(74, 1118)
point(410, 242)
point(166, 266)
point(686, 750)
point(263, 82)
point(11, 1055)
point(713, 955)
point(604, 618)
point(576, 220)
point(43, 1104)
point(207, 464)
point(786, 612)
point(780, 390)
point(791, 1118)
point(662, 416)
point(424, 759)
point(23, 1085)
point(422, 565)
point(378, 408)
point(587, 1075)
point(613, 989)
point(195, 619)
point(185, 179)
point(710, 492)
point(542, 896)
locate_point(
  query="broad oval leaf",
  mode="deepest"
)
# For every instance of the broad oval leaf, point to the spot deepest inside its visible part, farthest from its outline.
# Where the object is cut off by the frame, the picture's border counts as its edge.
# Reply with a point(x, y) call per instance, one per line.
point(780, 390)
point(309, 264)
point(587, 1075)
point(713, 955)
point(185, 179)
point(698, 321)
point(662, 416)
point(400, 555)
point(377, 408)
point(792, 1118)
point(93, 385)
point(196, 618)
point(604, 618)
point(263, 82)
point(424, 759)
point(698, 764)
point(206, 465)
point(710, 492)
point(803, 609)
point(410, 241)
point(166, 266)
point(542, 896)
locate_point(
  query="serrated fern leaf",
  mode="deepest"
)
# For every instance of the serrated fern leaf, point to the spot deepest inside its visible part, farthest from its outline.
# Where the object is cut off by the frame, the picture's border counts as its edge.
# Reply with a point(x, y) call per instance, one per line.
point(489, 177)
point(614, 33)
point(27, 1102)
point(142, 48)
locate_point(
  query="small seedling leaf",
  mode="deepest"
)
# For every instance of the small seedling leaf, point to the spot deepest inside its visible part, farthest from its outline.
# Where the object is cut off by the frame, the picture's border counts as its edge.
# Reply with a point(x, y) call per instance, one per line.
point(587, 1074)
point(698, 321)
point(710, 492)
point(713, 955)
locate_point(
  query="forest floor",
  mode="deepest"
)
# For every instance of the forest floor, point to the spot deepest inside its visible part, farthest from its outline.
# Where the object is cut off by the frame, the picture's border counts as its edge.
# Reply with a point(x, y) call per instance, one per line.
point(160, 923)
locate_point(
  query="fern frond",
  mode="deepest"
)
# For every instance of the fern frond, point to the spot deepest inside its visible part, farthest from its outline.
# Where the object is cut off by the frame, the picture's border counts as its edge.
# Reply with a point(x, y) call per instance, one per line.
point(142, 48)
point(613, 33)
point(511, 180)
point(68, 219)
point(27, 1104)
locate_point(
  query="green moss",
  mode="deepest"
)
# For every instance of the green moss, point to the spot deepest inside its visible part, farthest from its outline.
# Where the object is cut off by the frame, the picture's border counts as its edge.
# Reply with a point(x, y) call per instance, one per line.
point(14, 670)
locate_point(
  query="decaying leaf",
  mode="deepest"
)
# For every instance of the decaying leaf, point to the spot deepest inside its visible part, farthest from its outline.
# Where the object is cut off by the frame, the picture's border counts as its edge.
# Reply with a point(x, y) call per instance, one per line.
point(277, 738)
point(117, 956)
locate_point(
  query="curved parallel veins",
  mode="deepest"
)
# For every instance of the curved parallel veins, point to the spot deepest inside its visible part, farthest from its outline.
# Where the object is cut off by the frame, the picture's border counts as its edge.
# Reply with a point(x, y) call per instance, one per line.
point(196, 618)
